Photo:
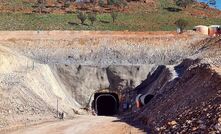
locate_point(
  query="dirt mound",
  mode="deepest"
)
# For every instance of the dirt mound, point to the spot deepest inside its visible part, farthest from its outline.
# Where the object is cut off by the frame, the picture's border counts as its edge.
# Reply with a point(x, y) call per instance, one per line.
point(188, 103)
point(209, 50)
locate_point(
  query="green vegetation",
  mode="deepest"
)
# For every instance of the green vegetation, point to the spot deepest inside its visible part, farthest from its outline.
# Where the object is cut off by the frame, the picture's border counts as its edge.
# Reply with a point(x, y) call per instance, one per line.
point(16, 5)
point(41, 5)
point(67, 3)
point(138, 20)
point(101, 3)
point(92, 17)
point(184, 3)
point(114, 15)
point(182, 24)
point(112, 2)
point(81, 16)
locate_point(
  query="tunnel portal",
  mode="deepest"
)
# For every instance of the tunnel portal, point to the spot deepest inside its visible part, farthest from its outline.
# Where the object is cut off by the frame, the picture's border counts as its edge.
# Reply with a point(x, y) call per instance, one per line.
point(106, 104)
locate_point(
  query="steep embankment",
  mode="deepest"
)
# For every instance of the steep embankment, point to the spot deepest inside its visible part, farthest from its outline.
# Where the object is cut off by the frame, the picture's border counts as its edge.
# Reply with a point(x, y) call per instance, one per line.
point(190, 101)
point(29, 91)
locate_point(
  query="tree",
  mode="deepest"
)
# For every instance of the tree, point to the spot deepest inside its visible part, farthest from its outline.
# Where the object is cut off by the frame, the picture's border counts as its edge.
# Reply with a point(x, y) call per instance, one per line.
point(67, 3)
point(117, 2)
point(92, 17)
point(112, 2)
point(184, 3)
point(81, 16)
point(101, 3)
point(41, 5)
point(181, 24)
point(114, 15)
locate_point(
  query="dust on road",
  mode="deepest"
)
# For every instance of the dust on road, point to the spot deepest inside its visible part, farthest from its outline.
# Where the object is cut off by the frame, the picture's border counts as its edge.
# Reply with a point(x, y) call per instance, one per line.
point(83, 125)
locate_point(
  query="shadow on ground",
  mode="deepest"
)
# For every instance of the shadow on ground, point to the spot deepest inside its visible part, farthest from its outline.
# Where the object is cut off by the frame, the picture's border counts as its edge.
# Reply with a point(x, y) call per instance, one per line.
point(137, 124)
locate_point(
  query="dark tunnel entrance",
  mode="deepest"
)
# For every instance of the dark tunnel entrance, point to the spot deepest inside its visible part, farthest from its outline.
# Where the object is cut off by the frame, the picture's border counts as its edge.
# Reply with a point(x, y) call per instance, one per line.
point(148, 98)
point(144, 99)
point(106, 104)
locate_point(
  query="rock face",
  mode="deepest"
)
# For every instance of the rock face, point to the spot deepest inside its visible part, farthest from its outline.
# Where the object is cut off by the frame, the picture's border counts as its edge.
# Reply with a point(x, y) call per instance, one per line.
point(83, 81)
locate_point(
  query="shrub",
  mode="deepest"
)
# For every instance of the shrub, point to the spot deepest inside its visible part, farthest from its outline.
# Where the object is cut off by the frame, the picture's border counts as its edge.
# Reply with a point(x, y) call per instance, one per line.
point(181, 23)
point(67, 3)
point(112, 2)
point(81, 16)
point(41, 5)
point(101, 3)
point(117, 2)
point(92, 17)
point(124, 3)
point(114, 15)
point(184, 3)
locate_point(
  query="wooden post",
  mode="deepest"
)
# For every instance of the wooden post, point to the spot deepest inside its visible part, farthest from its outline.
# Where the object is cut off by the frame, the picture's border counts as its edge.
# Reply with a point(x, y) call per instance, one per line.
point(57, 108)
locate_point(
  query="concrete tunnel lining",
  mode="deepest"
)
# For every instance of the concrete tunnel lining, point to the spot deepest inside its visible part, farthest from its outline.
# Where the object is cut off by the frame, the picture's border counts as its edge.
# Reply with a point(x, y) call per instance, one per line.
point(106, 104)
point(146, 98)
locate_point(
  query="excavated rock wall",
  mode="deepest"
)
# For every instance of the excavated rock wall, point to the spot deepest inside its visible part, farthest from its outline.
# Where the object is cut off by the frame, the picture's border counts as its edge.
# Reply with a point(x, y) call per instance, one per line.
point(83, 81)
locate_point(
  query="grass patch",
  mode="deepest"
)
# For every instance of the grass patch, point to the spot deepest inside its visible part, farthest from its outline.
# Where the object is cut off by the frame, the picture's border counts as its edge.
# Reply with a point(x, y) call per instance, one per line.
point(160, 20)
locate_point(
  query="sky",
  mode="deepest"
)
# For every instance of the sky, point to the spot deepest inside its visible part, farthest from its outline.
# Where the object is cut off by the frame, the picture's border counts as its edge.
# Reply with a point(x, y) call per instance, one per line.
point(218, 3)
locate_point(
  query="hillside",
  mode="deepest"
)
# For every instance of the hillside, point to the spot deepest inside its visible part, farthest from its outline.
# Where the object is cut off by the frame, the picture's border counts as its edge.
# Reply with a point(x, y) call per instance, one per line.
point(149, 15)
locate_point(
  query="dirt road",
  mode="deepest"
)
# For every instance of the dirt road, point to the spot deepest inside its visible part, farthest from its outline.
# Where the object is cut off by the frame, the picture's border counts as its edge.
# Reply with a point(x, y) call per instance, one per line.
point(83, 125)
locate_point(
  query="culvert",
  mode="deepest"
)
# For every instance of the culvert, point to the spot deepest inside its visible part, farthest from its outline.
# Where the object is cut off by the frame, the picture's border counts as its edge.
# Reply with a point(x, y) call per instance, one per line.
point(142, 100)
point(146, 98)
point(106, 104)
